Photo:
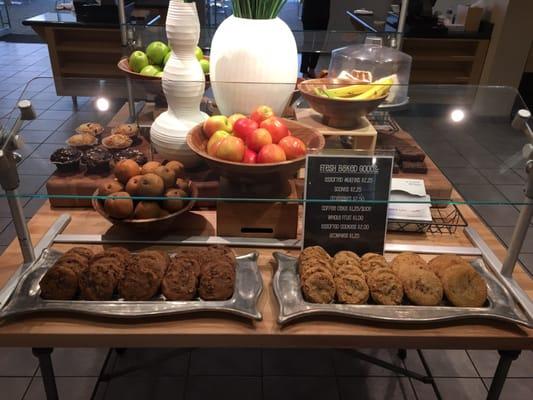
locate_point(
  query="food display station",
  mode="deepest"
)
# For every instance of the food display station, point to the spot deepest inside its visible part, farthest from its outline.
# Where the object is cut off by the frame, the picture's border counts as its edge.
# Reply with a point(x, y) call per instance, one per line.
point(267, 308)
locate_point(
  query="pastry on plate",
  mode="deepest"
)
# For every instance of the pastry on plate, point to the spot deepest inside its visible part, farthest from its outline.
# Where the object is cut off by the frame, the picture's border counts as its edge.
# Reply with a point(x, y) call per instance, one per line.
point(129, 130)
point(82, 141)
point(116, 142)
point(91, 128)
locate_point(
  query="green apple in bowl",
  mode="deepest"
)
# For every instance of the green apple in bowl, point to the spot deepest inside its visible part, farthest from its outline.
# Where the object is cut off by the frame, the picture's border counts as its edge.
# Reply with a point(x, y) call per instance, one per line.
point(205, 65)
point(150, 70)
point(138, 60)
point(167, 57)
point(156, 52)
point(199, 53)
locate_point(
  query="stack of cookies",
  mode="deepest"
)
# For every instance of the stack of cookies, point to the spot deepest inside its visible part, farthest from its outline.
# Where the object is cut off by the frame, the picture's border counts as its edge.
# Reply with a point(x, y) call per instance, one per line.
point(116, 273)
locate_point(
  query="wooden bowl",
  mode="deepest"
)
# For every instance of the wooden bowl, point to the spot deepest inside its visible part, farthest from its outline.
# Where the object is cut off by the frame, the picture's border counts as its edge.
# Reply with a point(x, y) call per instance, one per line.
point(343, 114)
point(152, 225)
point(124, 66)
point(257, 172)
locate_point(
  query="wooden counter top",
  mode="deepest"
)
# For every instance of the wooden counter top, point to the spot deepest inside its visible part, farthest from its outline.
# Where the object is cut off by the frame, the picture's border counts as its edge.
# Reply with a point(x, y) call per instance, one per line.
point(223, 330)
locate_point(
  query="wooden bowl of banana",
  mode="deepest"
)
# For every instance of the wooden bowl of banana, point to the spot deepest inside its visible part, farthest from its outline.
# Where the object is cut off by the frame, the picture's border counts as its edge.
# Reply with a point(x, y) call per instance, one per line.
point(343, 104)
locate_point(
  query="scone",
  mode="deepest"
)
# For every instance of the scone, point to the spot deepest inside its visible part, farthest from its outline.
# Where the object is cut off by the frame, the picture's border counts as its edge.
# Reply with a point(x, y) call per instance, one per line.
point(319, 288)
point(464, 286)
point(441, 263)
point(351, 289)
point(59, 283)
point(422, 287)
point(385, 288)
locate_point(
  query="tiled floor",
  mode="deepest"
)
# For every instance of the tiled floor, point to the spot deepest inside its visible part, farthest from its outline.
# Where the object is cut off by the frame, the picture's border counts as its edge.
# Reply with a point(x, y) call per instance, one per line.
point(252, 373)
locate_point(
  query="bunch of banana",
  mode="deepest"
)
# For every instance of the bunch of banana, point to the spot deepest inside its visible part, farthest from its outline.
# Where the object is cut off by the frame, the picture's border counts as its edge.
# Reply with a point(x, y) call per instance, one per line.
point(376, 89)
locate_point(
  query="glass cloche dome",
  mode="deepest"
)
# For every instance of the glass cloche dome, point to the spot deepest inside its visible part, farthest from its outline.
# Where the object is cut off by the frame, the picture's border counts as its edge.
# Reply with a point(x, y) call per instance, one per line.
point(370, 62)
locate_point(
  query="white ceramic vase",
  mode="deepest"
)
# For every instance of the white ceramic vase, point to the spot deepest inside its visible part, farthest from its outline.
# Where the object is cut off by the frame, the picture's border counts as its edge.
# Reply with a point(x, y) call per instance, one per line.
point(183, 84)
point(253, 62)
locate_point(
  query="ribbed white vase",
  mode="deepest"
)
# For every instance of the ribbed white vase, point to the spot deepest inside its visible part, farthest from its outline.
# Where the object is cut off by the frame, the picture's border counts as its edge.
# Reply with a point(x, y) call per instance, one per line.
point(183, 85)
point(253, 62)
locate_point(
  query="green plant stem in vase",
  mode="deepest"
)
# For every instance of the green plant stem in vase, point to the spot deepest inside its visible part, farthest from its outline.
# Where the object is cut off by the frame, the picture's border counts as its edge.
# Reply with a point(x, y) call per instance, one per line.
point(257, 9)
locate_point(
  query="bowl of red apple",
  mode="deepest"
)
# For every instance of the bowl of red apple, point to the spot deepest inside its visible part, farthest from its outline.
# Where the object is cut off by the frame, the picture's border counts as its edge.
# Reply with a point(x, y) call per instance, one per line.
point(257, 147)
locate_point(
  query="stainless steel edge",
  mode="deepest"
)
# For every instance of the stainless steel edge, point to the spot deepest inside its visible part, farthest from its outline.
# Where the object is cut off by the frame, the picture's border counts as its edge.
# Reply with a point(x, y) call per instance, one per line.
point(45, 242)
point(182, 240)
point(286, 287)
point(496, 266)
point(248, 288)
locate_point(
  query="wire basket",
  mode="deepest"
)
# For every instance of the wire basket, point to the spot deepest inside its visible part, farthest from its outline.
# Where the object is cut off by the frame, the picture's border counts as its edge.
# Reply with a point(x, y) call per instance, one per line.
point(383, 123)
point(445, 220)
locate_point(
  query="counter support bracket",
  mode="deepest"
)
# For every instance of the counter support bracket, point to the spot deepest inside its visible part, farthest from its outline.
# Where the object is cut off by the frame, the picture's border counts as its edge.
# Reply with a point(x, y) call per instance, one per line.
point(47, 371)
point(500, 375)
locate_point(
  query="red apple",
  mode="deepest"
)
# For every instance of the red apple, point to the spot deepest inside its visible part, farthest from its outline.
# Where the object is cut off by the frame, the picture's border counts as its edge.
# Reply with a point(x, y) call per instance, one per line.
point(235, 117)
point(293, 147)
point(250, 157)
point(258, 138)
point(271, 153)
point(243, 127)
point(261, 113)
point(214, 141)
point(231, 148)
point(216, 123)
point(276, 127)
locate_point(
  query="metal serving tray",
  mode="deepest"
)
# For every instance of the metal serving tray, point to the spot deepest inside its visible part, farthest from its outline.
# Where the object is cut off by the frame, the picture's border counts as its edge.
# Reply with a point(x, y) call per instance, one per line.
point(26, 297)
point(286, 282)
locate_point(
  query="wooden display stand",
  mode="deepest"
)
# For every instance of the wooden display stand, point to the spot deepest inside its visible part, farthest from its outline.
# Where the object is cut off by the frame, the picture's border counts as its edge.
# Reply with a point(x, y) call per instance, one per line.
point(363, 136)
point(260, 219)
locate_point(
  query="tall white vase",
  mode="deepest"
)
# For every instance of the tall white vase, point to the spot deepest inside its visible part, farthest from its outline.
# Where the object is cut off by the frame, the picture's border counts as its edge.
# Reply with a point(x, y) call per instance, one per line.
point(253, 62)
point(183, 85)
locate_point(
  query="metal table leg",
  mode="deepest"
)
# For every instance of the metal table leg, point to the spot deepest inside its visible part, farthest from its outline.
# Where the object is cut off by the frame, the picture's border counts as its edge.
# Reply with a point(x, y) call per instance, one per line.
point(47, 371)
point(500, 375)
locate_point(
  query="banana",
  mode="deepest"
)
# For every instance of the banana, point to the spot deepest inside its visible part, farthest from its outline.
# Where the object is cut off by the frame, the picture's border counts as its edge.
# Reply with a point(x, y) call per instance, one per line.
point(347, 91)
point(379, 89)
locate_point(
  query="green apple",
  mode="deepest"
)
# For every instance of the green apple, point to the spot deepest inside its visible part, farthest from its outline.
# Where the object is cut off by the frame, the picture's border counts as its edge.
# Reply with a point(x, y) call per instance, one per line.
point(150, 70)
point(159, 74)
point(138, 60)
point(205, 65)
point(198, 53)
point(167, 58)
point(156, 52)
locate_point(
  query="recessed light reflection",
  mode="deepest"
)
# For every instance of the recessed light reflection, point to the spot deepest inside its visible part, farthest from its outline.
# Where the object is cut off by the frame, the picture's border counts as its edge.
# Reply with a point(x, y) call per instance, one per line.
point(102, 104)
point(457, 115)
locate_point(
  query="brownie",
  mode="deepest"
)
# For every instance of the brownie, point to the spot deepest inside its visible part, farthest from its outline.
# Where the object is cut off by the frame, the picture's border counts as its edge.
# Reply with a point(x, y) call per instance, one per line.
point(410, 153)
point(414, 167)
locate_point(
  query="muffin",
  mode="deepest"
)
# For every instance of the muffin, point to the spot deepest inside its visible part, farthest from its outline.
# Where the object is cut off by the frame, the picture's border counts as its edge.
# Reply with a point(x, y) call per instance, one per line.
point(66, 159)
point(130, 154)
point(91, 128)
point(116, 142)
point(129, 130)
point(82, 141)
point(97, 160)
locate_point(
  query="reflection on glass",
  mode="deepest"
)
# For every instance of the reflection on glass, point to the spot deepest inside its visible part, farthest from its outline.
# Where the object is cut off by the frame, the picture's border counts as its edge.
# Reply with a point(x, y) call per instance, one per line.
point(457, 115)
point(102, 104)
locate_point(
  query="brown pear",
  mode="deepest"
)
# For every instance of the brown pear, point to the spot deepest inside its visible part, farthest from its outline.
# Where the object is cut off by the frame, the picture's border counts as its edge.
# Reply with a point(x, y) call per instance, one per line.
point(182, 184)
point(126, 169)
point(168, 176)
point(146, 210)
point(150, 167)
point(173, 204)
point(151, 185)
point(119, 205)
point(132, 187)
point(177, 167)
point(110, 187)
point(163, 213)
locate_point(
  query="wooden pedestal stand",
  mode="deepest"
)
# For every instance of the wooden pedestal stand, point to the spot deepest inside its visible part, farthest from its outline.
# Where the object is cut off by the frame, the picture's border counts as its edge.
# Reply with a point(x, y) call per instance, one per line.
point(364, 136)
point(260, 219)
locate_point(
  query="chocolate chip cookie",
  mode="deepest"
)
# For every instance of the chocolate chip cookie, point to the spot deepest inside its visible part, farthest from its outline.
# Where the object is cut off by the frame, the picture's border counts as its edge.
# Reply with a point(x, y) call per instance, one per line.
point(404, 263)
point(319, 288)
point(464, 286)
point(422, 287)
point(217, 281)
point(351, 289)
point(59, 283)
point(313, 252)
point(85, 252)
point(180, 281)
point(385, 288)
point(372, 261)
point(441, 263)
point(315, 262)
point(345, 256)
point(97, 283)
point(140, 282)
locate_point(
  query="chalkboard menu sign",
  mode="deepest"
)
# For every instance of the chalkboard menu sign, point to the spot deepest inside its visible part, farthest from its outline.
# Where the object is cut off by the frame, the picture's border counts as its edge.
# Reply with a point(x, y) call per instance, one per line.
point(346, 201)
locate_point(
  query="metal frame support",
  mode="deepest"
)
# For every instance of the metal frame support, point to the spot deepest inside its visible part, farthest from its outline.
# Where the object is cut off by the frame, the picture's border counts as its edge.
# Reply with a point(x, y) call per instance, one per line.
point(500, 375)
point(401, 23)
point(47, 371)
point(125, 50)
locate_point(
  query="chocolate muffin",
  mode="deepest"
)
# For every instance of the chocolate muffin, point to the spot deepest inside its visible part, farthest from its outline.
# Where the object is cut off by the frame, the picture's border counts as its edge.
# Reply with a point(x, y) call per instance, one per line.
point(97, 160)
point(140, 282)
point(66, 159)
point(59, 283)
point(97, 282)
point(131, 154)
point(180, 281)
point(217, 281)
